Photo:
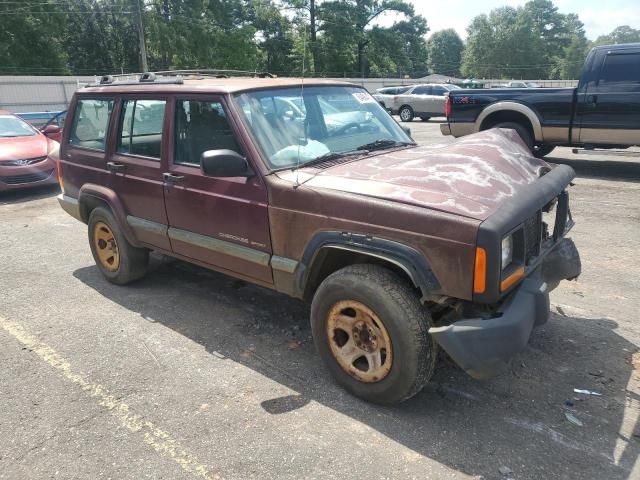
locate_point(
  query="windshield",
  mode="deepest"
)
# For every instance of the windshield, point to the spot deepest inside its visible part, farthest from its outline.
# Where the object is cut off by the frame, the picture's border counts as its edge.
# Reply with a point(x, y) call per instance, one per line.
point(293, 129)
point(452, 87)
point(11, 126)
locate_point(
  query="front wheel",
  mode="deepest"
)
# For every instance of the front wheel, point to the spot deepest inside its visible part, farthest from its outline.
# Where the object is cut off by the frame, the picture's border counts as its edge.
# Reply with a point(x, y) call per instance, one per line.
point(406, 113)
point(372, 333)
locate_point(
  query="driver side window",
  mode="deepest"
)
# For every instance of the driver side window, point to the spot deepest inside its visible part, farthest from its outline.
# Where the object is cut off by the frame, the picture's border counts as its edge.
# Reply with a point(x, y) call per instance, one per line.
point(201, 126)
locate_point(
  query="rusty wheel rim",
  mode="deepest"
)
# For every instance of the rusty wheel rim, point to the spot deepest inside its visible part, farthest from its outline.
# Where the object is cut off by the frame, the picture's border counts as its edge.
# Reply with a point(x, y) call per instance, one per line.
point(106, 247)
point(359, 341)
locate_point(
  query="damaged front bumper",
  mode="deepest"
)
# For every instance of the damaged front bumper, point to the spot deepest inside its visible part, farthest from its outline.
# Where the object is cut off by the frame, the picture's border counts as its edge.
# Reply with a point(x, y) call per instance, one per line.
point(484, 347)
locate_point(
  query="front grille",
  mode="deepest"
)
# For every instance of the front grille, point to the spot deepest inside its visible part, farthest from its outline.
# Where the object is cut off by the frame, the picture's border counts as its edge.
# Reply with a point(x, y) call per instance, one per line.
point(532, 237)
point(26, 178)
point(22, 162)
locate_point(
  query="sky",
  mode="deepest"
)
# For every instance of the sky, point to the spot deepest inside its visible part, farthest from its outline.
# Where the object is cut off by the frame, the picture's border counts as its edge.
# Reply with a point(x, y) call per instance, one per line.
point(599, 16)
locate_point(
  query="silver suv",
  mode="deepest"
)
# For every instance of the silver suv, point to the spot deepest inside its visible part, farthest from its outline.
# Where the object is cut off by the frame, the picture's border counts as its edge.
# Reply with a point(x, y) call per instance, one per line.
point(424, 101)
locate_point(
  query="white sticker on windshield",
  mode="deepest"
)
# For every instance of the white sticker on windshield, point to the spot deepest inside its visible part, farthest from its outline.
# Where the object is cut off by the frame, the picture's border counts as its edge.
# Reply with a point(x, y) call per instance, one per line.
point(363, 97)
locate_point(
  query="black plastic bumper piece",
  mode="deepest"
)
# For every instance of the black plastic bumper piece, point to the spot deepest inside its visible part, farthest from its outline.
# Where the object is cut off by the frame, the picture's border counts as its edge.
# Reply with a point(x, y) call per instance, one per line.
point(483, 348)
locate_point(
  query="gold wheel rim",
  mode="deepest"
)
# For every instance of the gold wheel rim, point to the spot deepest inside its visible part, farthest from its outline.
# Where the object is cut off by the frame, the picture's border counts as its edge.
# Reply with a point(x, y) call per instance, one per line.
point(359, 341)
point(106, 247)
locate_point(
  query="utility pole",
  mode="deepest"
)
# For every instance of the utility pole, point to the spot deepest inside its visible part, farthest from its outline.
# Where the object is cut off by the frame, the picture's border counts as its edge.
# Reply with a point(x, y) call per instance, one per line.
point(143, 51)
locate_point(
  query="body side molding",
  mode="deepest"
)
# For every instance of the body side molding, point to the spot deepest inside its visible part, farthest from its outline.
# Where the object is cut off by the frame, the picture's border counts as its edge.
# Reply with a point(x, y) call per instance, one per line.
point(220, 246)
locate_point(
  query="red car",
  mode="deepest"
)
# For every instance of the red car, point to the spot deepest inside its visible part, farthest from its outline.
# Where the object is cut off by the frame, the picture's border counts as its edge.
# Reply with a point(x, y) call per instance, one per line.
point(28, 157)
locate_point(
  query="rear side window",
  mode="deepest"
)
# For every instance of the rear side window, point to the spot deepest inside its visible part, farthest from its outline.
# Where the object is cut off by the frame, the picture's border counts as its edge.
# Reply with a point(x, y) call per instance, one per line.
point(202, 126)
point(90, 123)
point(422, 91)
point(620, 70)
point(140, 130)
point(440, 91)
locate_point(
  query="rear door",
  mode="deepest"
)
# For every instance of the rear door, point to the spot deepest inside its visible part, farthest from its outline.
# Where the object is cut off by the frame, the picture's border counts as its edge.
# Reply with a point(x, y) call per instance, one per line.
point(84, 148)
point(438, 97)
point(608, 111)
point(420, 99)
point(222, 222)
point(135, 163)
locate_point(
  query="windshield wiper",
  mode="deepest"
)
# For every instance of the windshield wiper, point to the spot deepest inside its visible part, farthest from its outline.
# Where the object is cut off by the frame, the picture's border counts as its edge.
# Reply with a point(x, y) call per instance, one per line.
point(384, 143)
point(325, 157)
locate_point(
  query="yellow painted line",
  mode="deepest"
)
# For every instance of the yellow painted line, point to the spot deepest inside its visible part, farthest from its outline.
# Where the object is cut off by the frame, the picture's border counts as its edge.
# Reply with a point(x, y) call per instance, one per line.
point(156, 438)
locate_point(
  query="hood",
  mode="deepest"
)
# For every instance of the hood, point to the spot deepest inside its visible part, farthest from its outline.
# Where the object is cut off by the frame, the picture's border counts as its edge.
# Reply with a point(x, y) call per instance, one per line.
point(18, 148)
point(472, 176)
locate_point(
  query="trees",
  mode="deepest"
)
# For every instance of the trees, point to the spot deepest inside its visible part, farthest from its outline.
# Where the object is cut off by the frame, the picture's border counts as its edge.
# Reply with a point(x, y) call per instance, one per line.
point(334, 37)
point(503, 44)
point(534, 41)
point(347, 24)
point(622, 34)
point(445, 52)
point(29, 43)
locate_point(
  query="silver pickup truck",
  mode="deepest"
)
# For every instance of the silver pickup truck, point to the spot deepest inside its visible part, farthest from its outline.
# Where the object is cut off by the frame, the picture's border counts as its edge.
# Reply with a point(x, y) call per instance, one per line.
point(423, 100)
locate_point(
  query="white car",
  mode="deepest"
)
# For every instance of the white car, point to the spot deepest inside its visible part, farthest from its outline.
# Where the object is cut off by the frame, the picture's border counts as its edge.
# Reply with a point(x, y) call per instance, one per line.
point(424, 101)
point(385, 96)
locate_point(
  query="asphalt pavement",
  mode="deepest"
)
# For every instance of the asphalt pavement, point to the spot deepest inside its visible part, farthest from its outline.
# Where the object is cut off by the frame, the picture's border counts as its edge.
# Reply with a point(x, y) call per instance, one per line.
point(191, 374)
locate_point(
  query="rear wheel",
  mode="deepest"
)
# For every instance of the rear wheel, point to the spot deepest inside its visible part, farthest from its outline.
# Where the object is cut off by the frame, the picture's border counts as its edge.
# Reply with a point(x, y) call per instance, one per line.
point(537, 149)
point(372, 333)
point(425, 119)
point(523, 131)
point(541, 150)
point(406, 113)
point(118, 260)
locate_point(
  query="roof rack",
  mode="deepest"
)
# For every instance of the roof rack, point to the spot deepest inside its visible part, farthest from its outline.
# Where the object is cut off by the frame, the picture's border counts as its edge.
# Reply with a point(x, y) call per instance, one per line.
point(172, 76)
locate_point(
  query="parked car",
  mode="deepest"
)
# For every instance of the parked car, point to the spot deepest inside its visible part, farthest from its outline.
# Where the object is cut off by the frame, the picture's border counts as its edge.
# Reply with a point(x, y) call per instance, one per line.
point(520, 84)
point(385, 96)
point(603, 111)
point(401, 249)
point(56, 120)
point(27, 156)
point(424, 101)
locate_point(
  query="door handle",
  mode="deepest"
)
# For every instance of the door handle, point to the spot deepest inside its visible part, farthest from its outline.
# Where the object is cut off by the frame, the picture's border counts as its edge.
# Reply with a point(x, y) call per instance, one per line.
point(116, 167)
point(172, 178)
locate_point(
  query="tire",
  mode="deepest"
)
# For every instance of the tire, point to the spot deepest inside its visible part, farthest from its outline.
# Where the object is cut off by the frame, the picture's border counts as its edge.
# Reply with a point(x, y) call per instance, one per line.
point(406, 113)
point(410, 351)
point(523, 131)
point(542, 150)
point(425, 119)
point(118, 260)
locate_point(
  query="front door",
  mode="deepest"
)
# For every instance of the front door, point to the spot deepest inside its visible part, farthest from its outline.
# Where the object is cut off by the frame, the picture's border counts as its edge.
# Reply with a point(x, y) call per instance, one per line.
point(608, 109)
point(136, 168)
point(222, 222)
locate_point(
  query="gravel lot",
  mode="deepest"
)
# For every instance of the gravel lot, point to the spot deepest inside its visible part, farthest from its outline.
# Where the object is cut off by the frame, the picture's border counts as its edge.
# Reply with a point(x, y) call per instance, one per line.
point(190, 374)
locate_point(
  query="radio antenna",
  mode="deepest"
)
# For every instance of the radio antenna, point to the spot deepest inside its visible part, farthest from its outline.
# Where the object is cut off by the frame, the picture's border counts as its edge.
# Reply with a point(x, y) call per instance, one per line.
point(304, 129)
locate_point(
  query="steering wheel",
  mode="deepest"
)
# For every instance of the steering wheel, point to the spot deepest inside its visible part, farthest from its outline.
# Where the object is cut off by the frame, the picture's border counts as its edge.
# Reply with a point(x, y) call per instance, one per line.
point(346, 127)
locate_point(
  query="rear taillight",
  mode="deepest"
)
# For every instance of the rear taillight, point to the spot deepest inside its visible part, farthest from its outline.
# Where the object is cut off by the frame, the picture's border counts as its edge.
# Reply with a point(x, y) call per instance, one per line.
point(59, 172)
point(447, 107)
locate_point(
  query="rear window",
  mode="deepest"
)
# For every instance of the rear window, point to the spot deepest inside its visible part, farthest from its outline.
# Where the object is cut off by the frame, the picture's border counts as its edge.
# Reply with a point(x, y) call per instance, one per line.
point(90, 123)
point(620, 70)
point(140, 130)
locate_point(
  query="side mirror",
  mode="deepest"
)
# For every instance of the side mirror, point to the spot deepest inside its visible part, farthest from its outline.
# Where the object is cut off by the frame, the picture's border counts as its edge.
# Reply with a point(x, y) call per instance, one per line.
point(224, 163)
point(50, 130)
point(406, 130)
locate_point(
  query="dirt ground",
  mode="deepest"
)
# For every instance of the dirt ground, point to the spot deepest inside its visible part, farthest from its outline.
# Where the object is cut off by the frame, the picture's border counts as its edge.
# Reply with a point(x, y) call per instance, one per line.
point(190, 374)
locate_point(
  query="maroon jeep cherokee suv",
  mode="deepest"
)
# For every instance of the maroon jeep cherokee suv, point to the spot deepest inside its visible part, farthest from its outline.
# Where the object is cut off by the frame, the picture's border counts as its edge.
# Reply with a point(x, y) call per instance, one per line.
point(313, 190)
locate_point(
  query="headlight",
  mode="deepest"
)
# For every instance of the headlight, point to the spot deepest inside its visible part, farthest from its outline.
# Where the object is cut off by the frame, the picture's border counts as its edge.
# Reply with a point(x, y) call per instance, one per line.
point(507, 251)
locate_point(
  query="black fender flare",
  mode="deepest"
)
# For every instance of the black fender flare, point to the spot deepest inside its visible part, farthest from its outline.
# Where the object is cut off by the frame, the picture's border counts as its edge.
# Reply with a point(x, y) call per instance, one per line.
point(412, 262)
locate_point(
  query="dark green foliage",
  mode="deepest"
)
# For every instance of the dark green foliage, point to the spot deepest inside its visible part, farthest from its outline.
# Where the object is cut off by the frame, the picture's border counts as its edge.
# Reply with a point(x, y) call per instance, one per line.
point(330, 37)
point(445, 52)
